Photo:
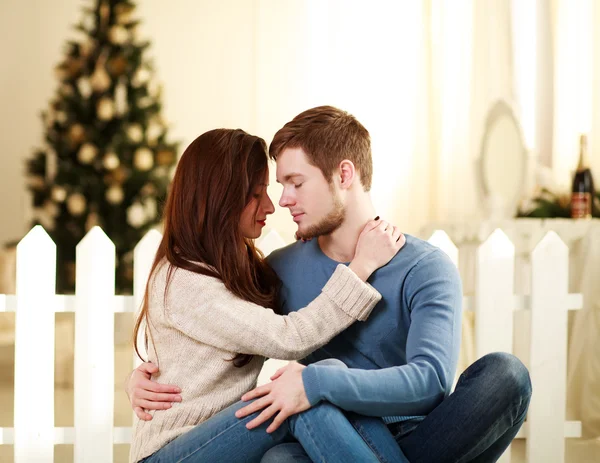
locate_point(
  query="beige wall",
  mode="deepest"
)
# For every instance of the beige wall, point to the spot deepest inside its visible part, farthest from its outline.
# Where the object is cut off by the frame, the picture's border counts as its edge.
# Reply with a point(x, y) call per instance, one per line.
point(254, 64)
point(32, 33)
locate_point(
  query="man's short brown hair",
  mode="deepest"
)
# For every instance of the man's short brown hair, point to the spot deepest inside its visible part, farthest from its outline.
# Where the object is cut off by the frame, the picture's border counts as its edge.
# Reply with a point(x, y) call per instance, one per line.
point(328, 136)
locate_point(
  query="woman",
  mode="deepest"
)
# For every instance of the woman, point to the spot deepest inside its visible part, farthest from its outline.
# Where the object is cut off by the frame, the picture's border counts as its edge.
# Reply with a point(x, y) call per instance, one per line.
point(210, 304)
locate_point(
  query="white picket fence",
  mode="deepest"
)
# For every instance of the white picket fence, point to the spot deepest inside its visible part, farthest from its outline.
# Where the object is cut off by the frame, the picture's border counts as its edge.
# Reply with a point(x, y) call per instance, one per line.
point(93, 435)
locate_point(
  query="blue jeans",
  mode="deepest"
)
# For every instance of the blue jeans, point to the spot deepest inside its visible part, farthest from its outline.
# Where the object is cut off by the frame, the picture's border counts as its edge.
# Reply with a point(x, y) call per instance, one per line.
point(476, 423)
point(323, 433)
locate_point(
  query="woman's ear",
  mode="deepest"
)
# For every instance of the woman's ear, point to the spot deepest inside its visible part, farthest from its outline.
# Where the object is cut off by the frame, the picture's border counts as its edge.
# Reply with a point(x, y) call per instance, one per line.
point(347, 173)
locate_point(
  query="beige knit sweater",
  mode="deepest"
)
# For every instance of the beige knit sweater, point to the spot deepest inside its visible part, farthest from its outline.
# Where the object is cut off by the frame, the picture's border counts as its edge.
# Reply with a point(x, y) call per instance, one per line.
point(201, 325)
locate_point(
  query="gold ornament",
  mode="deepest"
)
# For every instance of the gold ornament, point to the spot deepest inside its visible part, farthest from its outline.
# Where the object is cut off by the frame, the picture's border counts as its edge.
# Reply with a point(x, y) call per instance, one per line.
point(154, 131)
point(85, 87)
point(143, 159)
point(110, 161)
point(87, 153)
point(160, 171)
point(135, 133)
point(116, 176)
point(74, 66)
point(76, 204)
point(154, 89)
point(66, 90)
point(115, 195)
point(58, 194)
point(123, 13)
point(51, 164)
point(136, 215)
point(151, 209)
point(100, 79)
point(165, 157)
point(117, 65)
point(86, 47)
point(61, 117)
point(105, 109)
point(60, 72)
point(141, 76)
point(76, 134)
point(88, 22)
point(145, 102)
point(36, 182)
point(135, 34)
point(104, 14)
point(148, 190)
point(118, 35)
point(121, 97)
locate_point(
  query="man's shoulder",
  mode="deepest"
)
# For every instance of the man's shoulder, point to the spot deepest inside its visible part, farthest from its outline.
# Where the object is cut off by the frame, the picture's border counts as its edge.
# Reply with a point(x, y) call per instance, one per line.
point(415, 249)
point(419, 253)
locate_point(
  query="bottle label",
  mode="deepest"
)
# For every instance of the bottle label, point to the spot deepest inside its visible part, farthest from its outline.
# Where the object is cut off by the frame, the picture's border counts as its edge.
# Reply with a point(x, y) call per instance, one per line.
point(581, 205)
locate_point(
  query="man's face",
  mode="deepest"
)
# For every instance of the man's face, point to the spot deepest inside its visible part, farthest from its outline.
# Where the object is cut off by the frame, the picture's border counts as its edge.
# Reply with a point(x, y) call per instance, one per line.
point(313, 202)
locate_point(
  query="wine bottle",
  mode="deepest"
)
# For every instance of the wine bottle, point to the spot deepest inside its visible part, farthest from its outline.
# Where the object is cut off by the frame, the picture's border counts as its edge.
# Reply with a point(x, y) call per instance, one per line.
point(583, 185)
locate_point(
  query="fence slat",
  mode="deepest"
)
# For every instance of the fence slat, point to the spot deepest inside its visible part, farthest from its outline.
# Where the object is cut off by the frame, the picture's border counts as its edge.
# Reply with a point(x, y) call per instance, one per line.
point(143, 257)
point(34, 348)
point(494, 281)
point(549, 296)
point(94, 348)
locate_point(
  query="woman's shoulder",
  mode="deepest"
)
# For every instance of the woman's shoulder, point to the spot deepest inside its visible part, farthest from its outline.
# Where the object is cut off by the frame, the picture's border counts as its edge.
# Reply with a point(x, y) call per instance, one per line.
point(185, 278)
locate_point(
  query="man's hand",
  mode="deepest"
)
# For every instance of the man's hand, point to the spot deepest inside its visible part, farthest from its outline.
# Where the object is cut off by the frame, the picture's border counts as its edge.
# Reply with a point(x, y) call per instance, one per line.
point(284, 394)
point(146, 394)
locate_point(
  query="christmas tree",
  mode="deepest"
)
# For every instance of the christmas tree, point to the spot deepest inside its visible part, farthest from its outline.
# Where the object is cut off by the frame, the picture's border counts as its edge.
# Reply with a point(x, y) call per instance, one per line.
point(106, 159)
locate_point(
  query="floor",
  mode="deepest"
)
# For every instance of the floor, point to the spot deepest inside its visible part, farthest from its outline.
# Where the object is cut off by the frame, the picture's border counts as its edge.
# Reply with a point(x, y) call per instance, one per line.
point(578, 450)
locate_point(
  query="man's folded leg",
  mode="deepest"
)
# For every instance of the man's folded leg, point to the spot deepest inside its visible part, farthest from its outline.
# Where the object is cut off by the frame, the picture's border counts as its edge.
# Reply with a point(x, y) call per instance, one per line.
point(476, 423)
point(479, 420)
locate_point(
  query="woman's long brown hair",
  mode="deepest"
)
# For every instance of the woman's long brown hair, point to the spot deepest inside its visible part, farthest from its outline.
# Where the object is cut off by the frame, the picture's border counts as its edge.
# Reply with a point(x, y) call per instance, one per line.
point(215, 179)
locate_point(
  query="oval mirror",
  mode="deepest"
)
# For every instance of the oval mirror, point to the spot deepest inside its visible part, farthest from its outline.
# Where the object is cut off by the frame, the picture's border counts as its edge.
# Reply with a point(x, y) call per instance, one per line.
point(503, 162)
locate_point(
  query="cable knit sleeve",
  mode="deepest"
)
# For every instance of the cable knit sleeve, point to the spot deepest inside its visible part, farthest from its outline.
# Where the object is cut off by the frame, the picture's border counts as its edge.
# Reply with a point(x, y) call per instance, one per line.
point(203, 309)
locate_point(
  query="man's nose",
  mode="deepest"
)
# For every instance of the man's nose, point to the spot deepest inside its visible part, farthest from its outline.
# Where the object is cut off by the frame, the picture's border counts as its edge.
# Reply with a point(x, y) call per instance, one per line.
point(286, 200)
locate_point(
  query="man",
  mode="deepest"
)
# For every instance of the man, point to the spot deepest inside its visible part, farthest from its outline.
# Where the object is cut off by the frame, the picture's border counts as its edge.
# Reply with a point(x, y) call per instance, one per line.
point(397, 369)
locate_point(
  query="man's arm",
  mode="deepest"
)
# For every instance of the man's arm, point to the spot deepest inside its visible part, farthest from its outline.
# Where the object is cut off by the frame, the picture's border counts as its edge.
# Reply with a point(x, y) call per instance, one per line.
point(145, 394)
point(433, 294)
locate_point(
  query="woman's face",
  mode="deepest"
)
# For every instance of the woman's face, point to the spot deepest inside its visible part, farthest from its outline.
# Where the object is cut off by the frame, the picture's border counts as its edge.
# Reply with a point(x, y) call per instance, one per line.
point(254, 215)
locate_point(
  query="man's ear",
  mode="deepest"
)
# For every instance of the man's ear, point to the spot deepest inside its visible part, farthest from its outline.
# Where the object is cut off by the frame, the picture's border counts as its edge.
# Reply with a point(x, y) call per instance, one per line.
point(347, 173)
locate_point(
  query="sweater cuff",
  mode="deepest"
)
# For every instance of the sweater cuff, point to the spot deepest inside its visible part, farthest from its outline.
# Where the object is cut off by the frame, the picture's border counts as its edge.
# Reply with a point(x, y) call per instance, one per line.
point(351, 294)
point(311, 385)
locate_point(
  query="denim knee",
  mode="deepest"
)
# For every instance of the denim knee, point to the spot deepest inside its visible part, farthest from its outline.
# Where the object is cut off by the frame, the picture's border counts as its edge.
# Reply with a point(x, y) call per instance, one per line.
point(510, 375)
point(318, 413)
point(285, 452)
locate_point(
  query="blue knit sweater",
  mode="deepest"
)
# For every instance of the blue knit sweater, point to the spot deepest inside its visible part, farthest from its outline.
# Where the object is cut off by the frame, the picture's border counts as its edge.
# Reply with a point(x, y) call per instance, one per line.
point(402, 360)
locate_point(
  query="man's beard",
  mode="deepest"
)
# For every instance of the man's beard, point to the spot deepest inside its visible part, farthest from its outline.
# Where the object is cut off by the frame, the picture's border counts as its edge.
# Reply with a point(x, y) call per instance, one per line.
point(330, 223)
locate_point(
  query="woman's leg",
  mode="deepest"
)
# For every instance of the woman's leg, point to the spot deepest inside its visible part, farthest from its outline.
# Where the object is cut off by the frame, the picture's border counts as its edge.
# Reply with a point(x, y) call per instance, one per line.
point(324, 431)
point(223, 437)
